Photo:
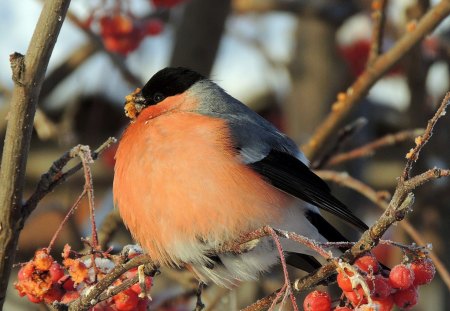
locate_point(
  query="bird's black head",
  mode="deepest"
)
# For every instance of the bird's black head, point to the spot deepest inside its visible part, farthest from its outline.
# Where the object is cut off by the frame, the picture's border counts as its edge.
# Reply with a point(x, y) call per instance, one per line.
point(168, 82)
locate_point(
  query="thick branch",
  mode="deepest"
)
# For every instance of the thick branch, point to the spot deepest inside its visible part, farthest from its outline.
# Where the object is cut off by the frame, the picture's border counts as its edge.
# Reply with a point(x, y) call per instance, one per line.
point(28, 74)
point(383, 63)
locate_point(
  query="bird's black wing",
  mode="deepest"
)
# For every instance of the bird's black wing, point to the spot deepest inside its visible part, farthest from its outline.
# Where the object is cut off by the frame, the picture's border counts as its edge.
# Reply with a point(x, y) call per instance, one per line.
point(290, 175)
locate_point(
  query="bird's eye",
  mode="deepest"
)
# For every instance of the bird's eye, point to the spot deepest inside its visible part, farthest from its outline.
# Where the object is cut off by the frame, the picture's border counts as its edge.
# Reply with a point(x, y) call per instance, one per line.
point(158, 97)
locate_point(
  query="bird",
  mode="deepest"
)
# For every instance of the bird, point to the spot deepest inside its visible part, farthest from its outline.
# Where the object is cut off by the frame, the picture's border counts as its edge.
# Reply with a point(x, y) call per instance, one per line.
point(196, 169)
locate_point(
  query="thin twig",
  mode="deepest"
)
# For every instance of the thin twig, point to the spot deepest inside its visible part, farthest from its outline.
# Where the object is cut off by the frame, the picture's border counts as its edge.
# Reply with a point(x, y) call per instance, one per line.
point(421, 141)
point(84, 153)
point(370, 148)
point(55, 176)
point(361, 86)
point(66, 218)
point(287, 282)
point(378, 20)
point(239, 245)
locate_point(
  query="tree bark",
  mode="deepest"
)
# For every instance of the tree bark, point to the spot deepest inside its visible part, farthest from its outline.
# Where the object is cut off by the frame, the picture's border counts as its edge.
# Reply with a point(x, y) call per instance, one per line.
point(28, 75)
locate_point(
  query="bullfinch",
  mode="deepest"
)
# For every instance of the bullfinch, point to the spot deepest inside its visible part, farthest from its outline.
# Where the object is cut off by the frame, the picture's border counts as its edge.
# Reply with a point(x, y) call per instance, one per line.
point(197, 169)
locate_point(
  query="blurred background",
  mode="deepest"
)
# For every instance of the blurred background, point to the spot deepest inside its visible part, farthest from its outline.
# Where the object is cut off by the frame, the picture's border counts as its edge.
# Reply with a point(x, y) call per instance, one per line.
point(287, 59)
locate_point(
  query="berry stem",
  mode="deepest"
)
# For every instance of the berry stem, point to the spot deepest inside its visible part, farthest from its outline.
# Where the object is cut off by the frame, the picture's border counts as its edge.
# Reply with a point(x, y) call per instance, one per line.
point(66, 218)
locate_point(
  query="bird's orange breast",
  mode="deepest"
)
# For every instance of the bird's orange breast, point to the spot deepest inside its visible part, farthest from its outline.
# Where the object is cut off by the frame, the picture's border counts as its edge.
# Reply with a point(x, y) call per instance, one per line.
point(179, 181)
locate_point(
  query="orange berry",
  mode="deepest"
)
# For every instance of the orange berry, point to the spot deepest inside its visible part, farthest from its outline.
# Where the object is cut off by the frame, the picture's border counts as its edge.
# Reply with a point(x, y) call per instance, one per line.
point(26, 271)
point(42, 260)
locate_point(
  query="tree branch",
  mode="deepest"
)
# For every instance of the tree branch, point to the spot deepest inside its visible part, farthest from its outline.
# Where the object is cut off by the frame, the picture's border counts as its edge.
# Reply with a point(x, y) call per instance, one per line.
point(370, 148)
point(378, 18)
point(361, 86)
point(28, 75)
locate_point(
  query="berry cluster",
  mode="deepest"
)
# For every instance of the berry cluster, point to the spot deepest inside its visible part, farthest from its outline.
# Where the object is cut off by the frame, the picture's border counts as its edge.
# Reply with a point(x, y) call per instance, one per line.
point(121, 33)
point(42, 279)
point(367, 287)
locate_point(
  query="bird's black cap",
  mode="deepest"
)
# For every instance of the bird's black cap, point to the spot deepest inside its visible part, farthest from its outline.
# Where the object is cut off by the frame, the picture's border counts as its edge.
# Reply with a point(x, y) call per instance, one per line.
point(168, 82)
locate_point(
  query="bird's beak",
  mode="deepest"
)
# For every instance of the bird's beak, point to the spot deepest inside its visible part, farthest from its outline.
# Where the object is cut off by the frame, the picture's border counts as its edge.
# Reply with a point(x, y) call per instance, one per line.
point(134, 103)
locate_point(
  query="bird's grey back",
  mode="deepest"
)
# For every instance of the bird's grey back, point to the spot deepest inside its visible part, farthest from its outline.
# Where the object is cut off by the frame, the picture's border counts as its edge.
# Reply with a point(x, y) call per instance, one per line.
point(253, 135)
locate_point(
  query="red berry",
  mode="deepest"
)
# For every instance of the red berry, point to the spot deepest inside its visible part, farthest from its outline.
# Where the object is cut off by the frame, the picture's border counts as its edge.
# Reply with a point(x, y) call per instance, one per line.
point(401, 277)
point(406, 298)
point(68, 284)
point(343, 280)
point(380, 287)
point(26, 271)
point(34, 299)
point(356, 297)
point(56, 272)
point(342, 309)
point(142, 305)
point(126, 300)
point(70, 296)
point(120, 34)
point(368, 264)
point(55, 293)
point(317, 301)
point(103, 306)
point(384, 304)
point(424, 271)
point(130, 273)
